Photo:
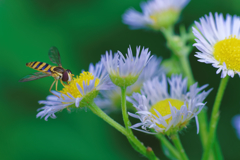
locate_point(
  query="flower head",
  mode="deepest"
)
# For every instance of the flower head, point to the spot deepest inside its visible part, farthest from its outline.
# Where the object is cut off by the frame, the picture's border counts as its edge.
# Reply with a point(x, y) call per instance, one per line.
point(218, 41)
point(125, 71)
point(156, 14)
point(111, 100)
point(166, 112)
point(80, 91)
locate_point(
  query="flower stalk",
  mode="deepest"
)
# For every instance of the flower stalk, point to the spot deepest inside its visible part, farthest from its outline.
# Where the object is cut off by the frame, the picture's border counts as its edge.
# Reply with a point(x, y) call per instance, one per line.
point(127, 123)
point(215, 118)
point(96, 110)
point(176, 141)
point(170, 147)
point(133, 140)
point(187, 69)
point(136, 144)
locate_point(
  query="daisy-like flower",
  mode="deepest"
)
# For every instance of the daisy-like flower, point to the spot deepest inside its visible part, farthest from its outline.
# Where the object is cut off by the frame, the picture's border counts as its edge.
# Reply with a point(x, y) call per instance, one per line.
point(111, 100)
point(218, 41)
point(165, 112)
point(125, 71)
point(236, 124)
point(156, 14)
point(80, 91)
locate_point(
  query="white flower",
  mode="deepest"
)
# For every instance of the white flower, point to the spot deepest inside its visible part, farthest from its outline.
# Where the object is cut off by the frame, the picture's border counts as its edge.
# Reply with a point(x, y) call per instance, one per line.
point(156, 14)
point(166, 112)
point(218, 41)
point(125, 71)
point(80, 91)
point(111, 99)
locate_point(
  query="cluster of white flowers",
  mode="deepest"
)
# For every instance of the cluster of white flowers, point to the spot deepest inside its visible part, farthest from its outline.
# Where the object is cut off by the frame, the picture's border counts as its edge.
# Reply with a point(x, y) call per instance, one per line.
point(85, 87)
point(160, 109)
point(139, 73)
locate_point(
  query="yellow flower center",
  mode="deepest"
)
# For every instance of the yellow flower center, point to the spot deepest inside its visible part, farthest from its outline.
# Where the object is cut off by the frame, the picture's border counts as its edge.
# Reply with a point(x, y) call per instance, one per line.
point(228, 51)
point(164, 18)
point(72, 87)
point(164, 109)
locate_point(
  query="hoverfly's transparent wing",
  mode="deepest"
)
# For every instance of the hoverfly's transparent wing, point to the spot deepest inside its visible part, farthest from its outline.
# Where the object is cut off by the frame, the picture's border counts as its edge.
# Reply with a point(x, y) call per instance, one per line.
point(54, 56)
point(34, 76)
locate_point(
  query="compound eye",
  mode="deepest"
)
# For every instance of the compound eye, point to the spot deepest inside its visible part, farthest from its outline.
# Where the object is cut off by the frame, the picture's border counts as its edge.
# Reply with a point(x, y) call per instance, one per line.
point(65, 76)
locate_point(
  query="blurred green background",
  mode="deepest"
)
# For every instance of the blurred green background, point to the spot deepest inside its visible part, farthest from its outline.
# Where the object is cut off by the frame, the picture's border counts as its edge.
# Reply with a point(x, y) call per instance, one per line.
point(83, 30)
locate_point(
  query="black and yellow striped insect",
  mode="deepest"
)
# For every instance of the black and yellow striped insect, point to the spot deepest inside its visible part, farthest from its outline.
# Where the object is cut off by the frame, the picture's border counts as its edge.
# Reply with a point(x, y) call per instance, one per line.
point(45, 70)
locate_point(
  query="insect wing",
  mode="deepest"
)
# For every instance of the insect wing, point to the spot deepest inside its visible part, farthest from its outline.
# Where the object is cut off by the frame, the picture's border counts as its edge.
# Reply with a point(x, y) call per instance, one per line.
point(54, 56)
point(34, 76)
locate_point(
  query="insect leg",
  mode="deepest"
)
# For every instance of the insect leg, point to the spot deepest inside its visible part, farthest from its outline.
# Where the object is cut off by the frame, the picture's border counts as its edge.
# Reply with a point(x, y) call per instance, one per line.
point(51, 88)
point(56, 84)
point(62, 83)
point(65, 84)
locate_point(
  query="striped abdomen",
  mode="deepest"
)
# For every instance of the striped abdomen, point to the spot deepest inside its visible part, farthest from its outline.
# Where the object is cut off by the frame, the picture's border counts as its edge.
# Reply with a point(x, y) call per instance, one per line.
point(40, 66)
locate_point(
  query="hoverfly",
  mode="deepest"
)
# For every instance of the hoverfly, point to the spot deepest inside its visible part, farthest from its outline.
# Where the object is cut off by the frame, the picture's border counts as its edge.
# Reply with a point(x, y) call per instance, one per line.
point(57, 72)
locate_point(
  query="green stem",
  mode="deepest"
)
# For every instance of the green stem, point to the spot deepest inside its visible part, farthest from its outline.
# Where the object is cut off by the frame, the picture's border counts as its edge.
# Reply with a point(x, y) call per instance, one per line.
point(133, 141)
point(187, 69)
point(215, 118)
point(136, 144)
point(127, 123)
point(176, 141)
point(202, 117)
point(217, 150)
point(146, 151)
point(95, 109)
point(170, 147)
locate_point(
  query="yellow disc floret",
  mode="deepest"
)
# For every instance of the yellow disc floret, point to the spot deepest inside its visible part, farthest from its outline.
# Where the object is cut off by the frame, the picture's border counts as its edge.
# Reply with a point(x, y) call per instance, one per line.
point(72, 87)
point(163, 108)
point(228, 51)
